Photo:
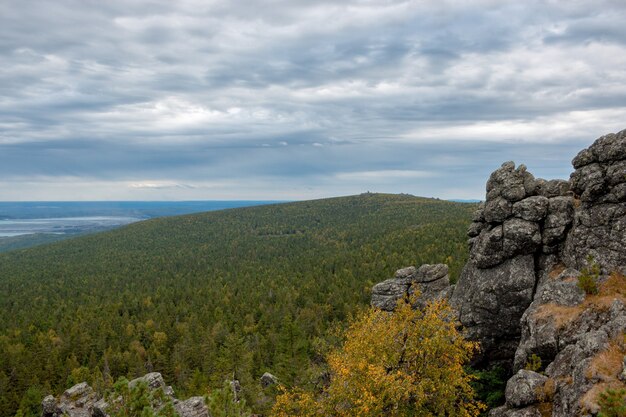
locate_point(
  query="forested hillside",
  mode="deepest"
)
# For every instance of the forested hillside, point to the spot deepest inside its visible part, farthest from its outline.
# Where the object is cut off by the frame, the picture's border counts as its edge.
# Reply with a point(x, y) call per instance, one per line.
point(202, 297)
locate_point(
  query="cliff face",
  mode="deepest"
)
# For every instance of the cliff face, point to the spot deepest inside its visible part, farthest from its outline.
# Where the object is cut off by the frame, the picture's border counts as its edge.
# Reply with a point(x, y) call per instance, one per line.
point(518, 294)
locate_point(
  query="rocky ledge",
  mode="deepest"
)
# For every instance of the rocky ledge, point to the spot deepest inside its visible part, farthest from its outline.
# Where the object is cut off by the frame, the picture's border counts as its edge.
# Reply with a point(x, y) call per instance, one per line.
point(82, 401)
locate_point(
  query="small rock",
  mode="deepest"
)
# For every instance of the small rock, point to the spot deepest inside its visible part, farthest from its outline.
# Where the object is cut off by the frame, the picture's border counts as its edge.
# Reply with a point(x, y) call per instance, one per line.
point(49, 406)
point(268, 379)
point(154, 380)
point(192, 407)
point(524, 388)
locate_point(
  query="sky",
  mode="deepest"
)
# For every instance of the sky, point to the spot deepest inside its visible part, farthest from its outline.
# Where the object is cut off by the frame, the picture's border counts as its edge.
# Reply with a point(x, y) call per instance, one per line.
point(300, 99)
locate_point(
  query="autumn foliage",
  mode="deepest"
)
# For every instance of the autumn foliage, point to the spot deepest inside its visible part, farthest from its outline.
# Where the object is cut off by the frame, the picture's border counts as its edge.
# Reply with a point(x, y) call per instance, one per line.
point(408, 363)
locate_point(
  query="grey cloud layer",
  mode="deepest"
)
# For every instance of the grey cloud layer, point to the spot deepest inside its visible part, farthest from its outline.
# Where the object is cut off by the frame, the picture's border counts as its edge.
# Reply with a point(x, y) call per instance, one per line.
point(298, 99)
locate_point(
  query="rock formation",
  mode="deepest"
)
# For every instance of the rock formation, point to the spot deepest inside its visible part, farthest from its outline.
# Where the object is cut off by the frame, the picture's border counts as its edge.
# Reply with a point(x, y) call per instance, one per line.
point(82, 401)
point(514, 236)
point(518, 294)
point(432, 281)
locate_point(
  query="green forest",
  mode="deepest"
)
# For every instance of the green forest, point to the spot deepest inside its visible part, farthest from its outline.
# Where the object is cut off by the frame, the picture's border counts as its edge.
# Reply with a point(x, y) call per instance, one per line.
point(206, 297)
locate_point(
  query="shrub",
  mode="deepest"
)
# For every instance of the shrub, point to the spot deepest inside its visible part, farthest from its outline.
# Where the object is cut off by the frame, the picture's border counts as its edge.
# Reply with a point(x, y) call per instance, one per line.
point(588, 279)
point(612, 403)
point(533, 364)
point(490, 385)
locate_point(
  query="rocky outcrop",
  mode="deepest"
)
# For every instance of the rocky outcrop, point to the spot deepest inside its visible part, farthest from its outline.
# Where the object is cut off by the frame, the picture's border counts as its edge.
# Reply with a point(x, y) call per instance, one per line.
point(522, 221)
point(432, 281)
point(577, 338)
point(82, 401)
point(518, 294)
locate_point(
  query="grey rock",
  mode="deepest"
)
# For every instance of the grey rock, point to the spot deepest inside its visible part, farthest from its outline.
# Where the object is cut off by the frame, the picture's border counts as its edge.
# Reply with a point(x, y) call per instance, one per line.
point(521, 237)
point(408, 272)
point(479, 214)
point(235, 386)
point(599, 226)
point(385, 295)
point(487, 250)
point(49, 406)
point(82, 401)
point(541, 335)
point(525, 388)
point(560, 212)
point(619, 191)
point(611, 147)
point(553, 188)
point(504, 411)
point(433, 283)
point(192, 407)
point(491, 303)
point(431, 280)
point(589, 182)
point(431, 272)
point(498, 210)
point(508, 182)
point(268, 379)
point(154, 380)
point(552, 236)
point(533, 208)
point(584, 157)
point(100, 408)
point(475, 228)
point(598, 230)
point(622, 375)
point(78, 391)
point(77, 401)
point(616, 173)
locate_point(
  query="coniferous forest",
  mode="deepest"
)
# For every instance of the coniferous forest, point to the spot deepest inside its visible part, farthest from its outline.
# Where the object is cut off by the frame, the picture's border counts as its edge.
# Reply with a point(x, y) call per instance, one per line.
point(207, 297)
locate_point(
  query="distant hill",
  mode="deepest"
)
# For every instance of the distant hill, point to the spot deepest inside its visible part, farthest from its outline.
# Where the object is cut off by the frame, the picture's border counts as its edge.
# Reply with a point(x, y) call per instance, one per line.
point(202, 297)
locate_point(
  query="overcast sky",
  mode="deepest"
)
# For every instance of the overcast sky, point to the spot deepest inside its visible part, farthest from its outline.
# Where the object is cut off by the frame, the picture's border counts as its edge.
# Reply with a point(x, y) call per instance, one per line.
point(241, 99)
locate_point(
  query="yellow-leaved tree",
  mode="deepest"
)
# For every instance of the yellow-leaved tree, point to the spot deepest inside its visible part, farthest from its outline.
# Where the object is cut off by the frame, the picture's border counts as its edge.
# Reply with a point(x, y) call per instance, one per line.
point(405, 363)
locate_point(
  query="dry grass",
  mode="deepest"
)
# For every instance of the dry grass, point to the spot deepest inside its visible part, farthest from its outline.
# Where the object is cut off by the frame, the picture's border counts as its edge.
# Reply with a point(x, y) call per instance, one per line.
point(615, 285)
point(607, 365)
point(556, 271)
point(558, 314)
point(545, 394)
point(589, 401)
point(614, 288)
point(545, 409)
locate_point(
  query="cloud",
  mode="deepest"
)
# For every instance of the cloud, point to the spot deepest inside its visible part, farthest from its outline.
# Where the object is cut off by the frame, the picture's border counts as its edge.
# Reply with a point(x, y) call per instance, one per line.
point(321, 98)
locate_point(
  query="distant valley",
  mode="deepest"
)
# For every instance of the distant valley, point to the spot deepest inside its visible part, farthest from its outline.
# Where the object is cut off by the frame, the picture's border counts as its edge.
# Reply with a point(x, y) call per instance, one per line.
point(27, 224)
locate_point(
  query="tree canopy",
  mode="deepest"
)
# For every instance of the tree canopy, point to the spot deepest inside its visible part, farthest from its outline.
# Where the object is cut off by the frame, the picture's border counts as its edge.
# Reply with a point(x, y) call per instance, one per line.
point(203, 297)
point(406, 363)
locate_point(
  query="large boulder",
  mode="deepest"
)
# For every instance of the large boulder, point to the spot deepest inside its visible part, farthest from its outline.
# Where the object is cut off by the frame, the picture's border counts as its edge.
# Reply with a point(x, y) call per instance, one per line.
point(491, 303)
